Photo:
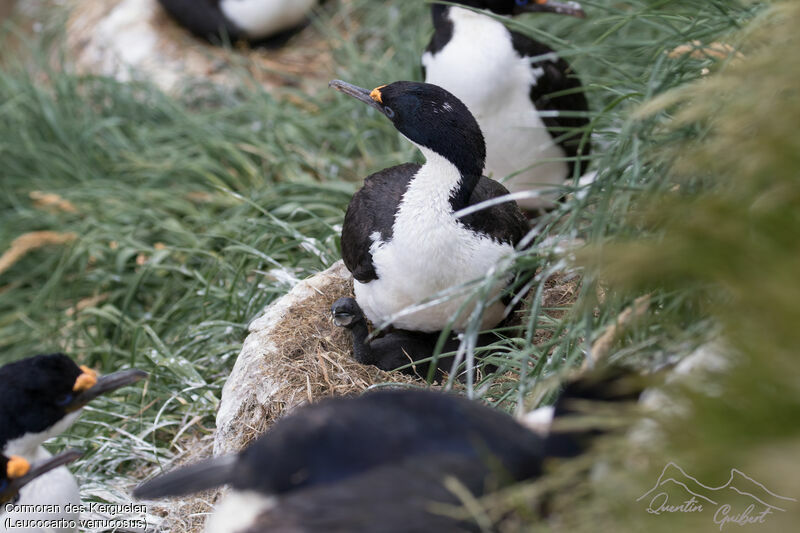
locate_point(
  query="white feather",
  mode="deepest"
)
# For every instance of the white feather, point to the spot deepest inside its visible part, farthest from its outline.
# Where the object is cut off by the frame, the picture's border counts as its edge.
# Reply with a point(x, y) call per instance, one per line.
point(238, 511)
point(480, 66)
point(262, 18)
point(28, 445)
point(430, 251)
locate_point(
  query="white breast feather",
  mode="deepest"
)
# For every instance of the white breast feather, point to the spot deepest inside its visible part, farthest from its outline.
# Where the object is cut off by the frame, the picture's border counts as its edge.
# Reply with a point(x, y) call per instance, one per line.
point(429, 252)
point(237, 511)
point(261, 18)
point(480, 66)
point(28, 446)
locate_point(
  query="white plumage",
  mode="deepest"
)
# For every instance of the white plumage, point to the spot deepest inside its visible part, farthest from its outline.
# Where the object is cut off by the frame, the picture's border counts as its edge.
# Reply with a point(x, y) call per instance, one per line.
point(480, 66)
point(429, 252)
point(57, 487)
point(258, 18)
point(237, 511)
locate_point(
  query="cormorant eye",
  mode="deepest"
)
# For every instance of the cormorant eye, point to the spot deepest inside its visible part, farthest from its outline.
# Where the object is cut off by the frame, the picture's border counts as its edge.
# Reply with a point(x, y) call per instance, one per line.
point(3, 485)
point(64, 400)
point(522, 2)
point(389, 112)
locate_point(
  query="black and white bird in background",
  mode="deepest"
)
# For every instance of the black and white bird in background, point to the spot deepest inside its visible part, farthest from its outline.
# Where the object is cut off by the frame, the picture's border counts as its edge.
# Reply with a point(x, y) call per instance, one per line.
point(378, 462)
point(16, 472)
point(40, 398)
point(403, 239)
point(247, 20)
point(523, 95)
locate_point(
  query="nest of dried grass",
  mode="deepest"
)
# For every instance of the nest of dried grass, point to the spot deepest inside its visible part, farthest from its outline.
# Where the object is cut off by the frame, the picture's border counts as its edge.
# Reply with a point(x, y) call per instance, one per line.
point(99, 34)
point(294, 355)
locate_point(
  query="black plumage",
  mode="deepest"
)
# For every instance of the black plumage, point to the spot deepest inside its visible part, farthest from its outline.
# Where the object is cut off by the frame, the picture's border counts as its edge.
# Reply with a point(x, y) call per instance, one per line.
point(38, 392)
point(435, 119)
point(398, 348)
point(338, 439)
point(396, 498)
point(203, 18)
point(371, 210)
point(558, 89)
point(384, 460)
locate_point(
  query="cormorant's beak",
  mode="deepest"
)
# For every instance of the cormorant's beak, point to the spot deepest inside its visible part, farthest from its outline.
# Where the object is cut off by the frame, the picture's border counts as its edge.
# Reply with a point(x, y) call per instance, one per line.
point(371, 98)
point(89, 386)
point(342, 319)
point(21, 473)
point(551, 6)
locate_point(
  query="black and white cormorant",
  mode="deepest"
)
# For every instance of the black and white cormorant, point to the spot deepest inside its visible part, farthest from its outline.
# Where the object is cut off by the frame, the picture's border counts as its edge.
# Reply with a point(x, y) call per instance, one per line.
point(378, 462)
point(247, 20)
point(16, 472)
point(506, 79)
point(401, 238)
point(40, 397)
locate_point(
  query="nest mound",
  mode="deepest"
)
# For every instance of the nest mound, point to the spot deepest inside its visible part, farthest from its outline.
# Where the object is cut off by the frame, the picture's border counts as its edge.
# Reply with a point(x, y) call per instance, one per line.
point(293, 355)
point(118, 37)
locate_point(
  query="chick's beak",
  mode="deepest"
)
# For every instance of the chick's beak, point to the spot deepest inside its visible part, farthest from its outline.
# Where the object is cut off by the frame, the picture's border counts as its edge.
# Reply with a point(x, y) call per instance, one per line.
point(371, 98)
point(20, 472)
point(573, 9)
point(89, 386)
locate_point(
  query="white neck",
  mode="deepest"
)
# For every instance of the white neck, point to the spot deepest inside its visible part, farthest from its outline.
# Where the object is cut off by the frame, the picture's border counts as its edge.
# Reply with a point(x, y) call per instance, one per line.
point(28, 445)
point(428, 194)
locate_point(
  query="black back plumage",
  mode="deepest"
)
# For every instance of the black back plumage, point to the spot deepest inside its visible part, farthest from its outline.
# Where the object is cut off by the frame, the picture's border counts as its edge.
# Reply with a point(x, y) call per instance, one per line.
point(372, 209)
point(203, 18)
point(397, 498)
point(341, 438)
point(504, 222)
point(559, 77)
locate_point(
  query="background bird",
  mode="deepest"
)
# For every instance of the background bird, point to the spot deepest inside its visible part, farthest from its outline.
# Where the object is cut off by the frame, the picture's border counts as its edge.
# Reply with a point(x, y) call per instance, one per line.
point(402, 237)
point(16, 472)
point(247, 20)
point(40, 398)
point(506, 79)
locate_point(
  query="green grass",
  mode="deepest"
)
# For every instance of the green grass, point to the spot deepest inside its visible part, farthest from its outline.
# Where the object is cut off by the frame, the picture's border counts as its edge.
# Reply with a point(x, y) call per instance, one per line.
point(194, 211)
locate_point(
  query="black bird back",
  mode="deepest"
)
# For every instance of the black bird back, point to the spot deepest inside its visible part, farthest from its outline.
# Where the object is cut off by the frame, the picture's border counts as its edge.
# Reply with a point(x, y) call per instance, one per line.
point(343, 437)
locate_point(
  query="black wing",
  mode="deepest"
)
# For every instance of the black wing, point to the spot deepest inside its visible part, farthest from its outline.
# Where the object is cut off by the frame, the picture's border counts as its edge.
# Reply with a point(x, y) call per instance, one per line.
point(504, 222)
point(558, 76)
point(371, 210)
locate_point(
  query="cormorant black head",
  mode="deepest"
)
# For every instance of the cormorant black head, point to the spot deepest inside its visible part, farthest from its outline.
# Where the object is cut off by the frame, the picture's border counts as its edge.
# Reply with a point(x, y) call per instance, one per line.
point(518, 7)
point(346, 312)
point(38, 393)
point(16, 472)
point(430, 117)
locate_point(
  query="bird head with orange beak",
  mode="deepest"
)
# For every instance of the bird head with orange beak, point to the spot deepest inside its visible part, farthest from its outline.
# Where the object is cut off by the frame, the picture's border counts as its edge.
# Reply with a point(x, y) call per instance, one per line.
point(41, 396)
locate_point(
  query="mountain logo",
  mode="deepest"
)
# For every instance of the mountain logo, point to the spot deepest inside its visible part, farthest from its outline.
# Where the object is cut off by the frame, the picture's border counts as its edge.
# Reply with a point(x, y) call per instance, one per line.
point(741, 500)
